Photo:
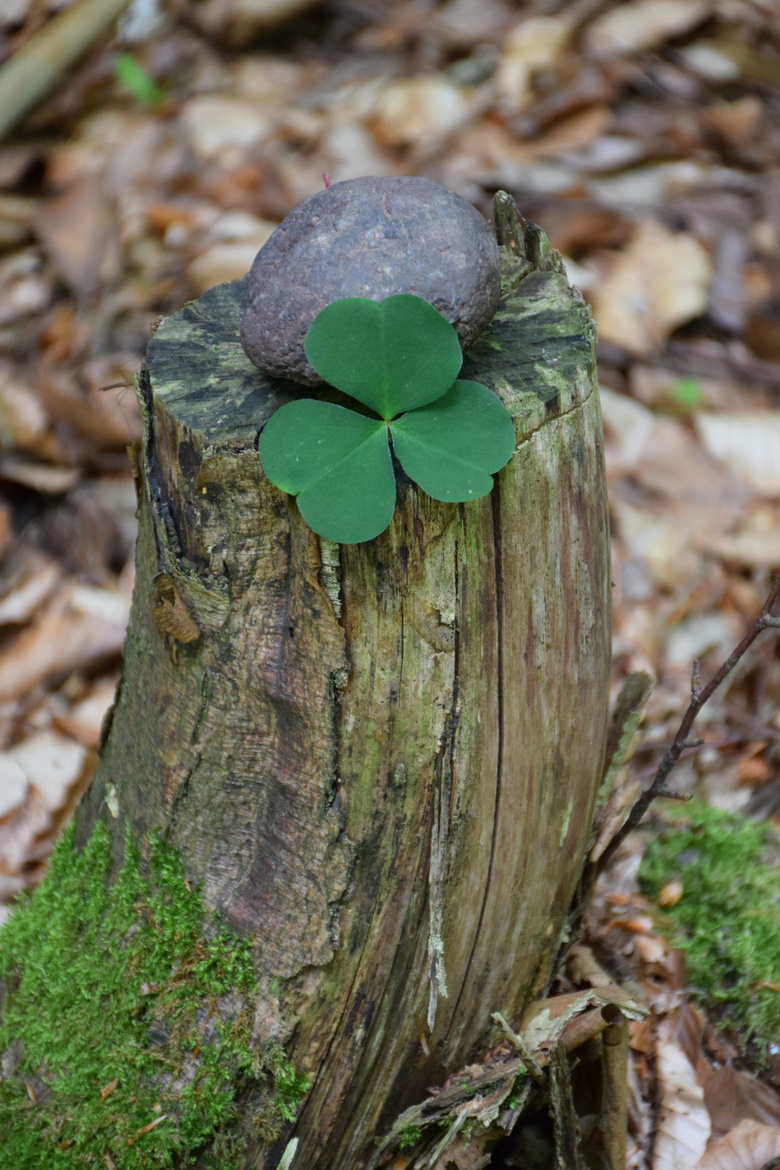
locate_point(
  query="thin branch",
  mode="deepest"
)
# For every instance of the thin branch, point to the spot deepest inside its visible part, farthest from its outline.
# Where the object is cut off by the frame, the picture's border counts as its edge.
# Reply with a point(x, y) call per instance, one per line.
point(520, 1046)
point(36, 68)
point(699, 696)
point(614, 1105)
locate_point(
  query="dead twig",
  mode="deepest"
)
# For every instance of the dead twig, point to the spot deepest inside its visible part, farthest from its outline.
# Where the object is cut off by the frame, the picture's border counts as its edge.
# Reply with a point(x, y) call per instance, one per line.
point(699, 696)
point(614, 1106)
point(36, 68)
point(687, 359)
point(517, 1042)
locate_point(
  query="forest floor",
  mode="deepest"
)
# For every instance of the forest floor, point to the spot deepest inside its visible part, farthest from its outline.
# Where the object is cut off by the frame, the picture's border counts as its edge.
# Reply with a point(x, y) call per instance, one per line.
point(645, 139)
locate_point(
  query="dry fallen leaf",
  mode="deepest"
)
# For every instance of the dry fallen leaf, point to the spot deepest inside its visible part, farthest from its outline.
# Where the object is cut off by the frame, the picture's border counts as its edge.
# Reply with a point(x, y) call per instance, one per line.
point(671, 893)
point(748, 1147)
point(628, 426)
point(76, 231)
point(418, 110)
point(674, 466)
point(56, 772)
point(658, 282)
point(14, 12)
point(79, 625)
point(24, 422)
point(108, 1089)
point(26, 587)
point(84, 720)
point(222, 262)
point(749, 444)
point(754, 771)
point(238, 237)
point(734, 122)
point(532, 45)
point(699, 634)
point(221, 127)
point(51, 762)
point(24, 288)
point(683, 1121)
point(7, 531)
point(628, 28)
point(13, 784)
point(239, 22)
point(730, 1095)
point(733, 1097)
point(708, 60)
point(580, 133)
point(47, 478)
point(746, 549)
point(463, 24)
point(663, 543)
point(106, 419)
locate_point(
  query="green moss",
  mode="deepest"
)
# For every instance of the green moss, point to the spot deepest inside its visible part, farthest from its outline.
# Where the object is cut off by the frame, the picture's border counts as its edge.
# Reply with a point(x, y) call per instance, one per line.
point(126, 1021)
point(289, 1084)
point(409, 1137)
point(728, 919)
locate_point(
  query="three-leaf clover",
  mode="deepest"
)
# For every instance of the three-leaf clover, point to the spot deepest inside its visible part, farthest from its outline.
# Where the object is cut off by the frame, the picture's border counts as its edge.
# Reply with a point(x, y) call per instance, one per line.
point(400, 358)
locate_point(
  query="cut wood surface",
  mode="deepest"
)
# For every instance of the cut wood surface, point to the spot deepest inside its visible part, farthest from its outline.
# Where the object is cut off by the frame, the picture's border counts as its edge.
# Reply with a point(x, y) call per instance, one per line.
point(381, 760)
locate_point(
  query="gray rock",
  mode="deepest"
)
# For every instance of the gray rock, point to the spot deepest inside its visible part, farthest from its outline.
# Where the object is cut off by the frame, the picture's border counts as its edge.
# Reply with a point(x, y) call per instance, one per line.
point(369, 237)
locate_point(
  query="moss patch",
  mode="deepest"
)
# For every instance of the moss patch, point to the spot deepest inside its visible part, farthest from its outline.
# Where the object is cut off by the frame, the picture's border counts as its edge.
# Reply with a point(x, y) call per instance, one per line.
point(125, 1026)
point(409, 1137)
point(728, 919)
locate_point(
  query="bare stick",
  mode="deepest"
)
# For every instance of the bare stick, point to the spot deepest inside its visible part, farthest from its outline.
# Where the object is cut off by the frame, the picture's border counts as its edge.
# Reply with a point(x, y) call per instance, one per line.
point(517, 1042)
point(614, 1110)
point(37, 67)
point(699, 696)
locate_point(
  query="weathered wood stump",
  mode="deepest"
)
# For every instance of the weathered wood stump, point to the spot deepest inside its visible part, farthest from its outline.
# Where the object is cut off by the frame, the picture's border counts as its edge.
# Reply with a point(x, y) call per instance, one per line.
point(381, 760)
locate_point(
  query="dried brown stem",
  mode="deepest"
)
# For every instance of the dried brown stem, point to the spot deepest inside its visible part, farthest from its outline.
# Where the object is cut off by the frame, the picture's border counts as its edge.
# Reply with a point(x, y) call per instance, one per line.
point(518, 1043)
point(614, 1108)
point(699, 696)
point(39, 65)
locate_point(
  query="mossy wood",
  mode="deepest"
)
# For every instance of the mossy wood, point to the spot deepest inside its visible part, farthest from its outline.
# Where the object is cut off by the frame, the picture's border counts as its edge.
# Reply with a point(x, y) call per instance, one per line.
point(381, 760)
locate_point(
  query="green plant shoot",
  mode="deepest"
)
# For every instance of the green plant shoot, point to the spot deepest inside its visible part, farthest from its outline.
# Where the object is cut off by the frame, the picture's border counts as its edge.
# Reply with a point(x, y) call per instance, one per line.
point(400, 359)
point(687, 394)
point(133, 78)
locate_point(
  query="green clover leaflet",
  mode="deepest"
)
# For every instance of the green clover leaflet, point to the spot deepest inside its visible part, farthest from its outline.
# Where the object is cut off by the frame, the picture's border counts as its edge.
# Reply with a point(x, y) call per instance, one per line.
point(400, 358)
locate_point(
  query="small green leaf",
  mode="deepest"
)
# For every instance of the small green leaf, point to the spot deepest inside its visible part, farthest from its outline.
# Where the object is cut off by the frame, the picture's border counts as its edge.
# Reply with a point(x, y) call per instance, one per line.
point(132, 76)
point(392, 355)
point(337, 463)
point(452, 446)
point(687, 393)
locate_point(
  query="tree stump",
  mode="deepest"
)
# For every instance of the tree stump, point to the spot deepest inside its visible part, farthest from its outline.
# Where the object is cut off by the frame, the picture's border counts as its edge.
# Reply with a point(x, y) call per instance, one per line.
point(380, 760)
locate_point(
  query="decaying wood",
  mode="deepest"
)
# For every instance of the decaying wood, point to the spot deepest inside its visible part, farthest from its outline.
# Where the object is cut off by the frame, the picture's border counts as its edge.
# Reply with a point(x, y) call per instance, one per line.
point(495, 1092)
point(568, 1151)
point(382, 759)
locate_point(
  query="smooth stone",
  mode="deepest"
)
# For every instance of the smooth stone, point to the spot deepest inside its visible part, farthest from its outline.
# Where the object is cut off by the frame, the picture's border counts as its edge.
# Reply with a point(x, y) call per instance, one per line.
point(369, 237)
